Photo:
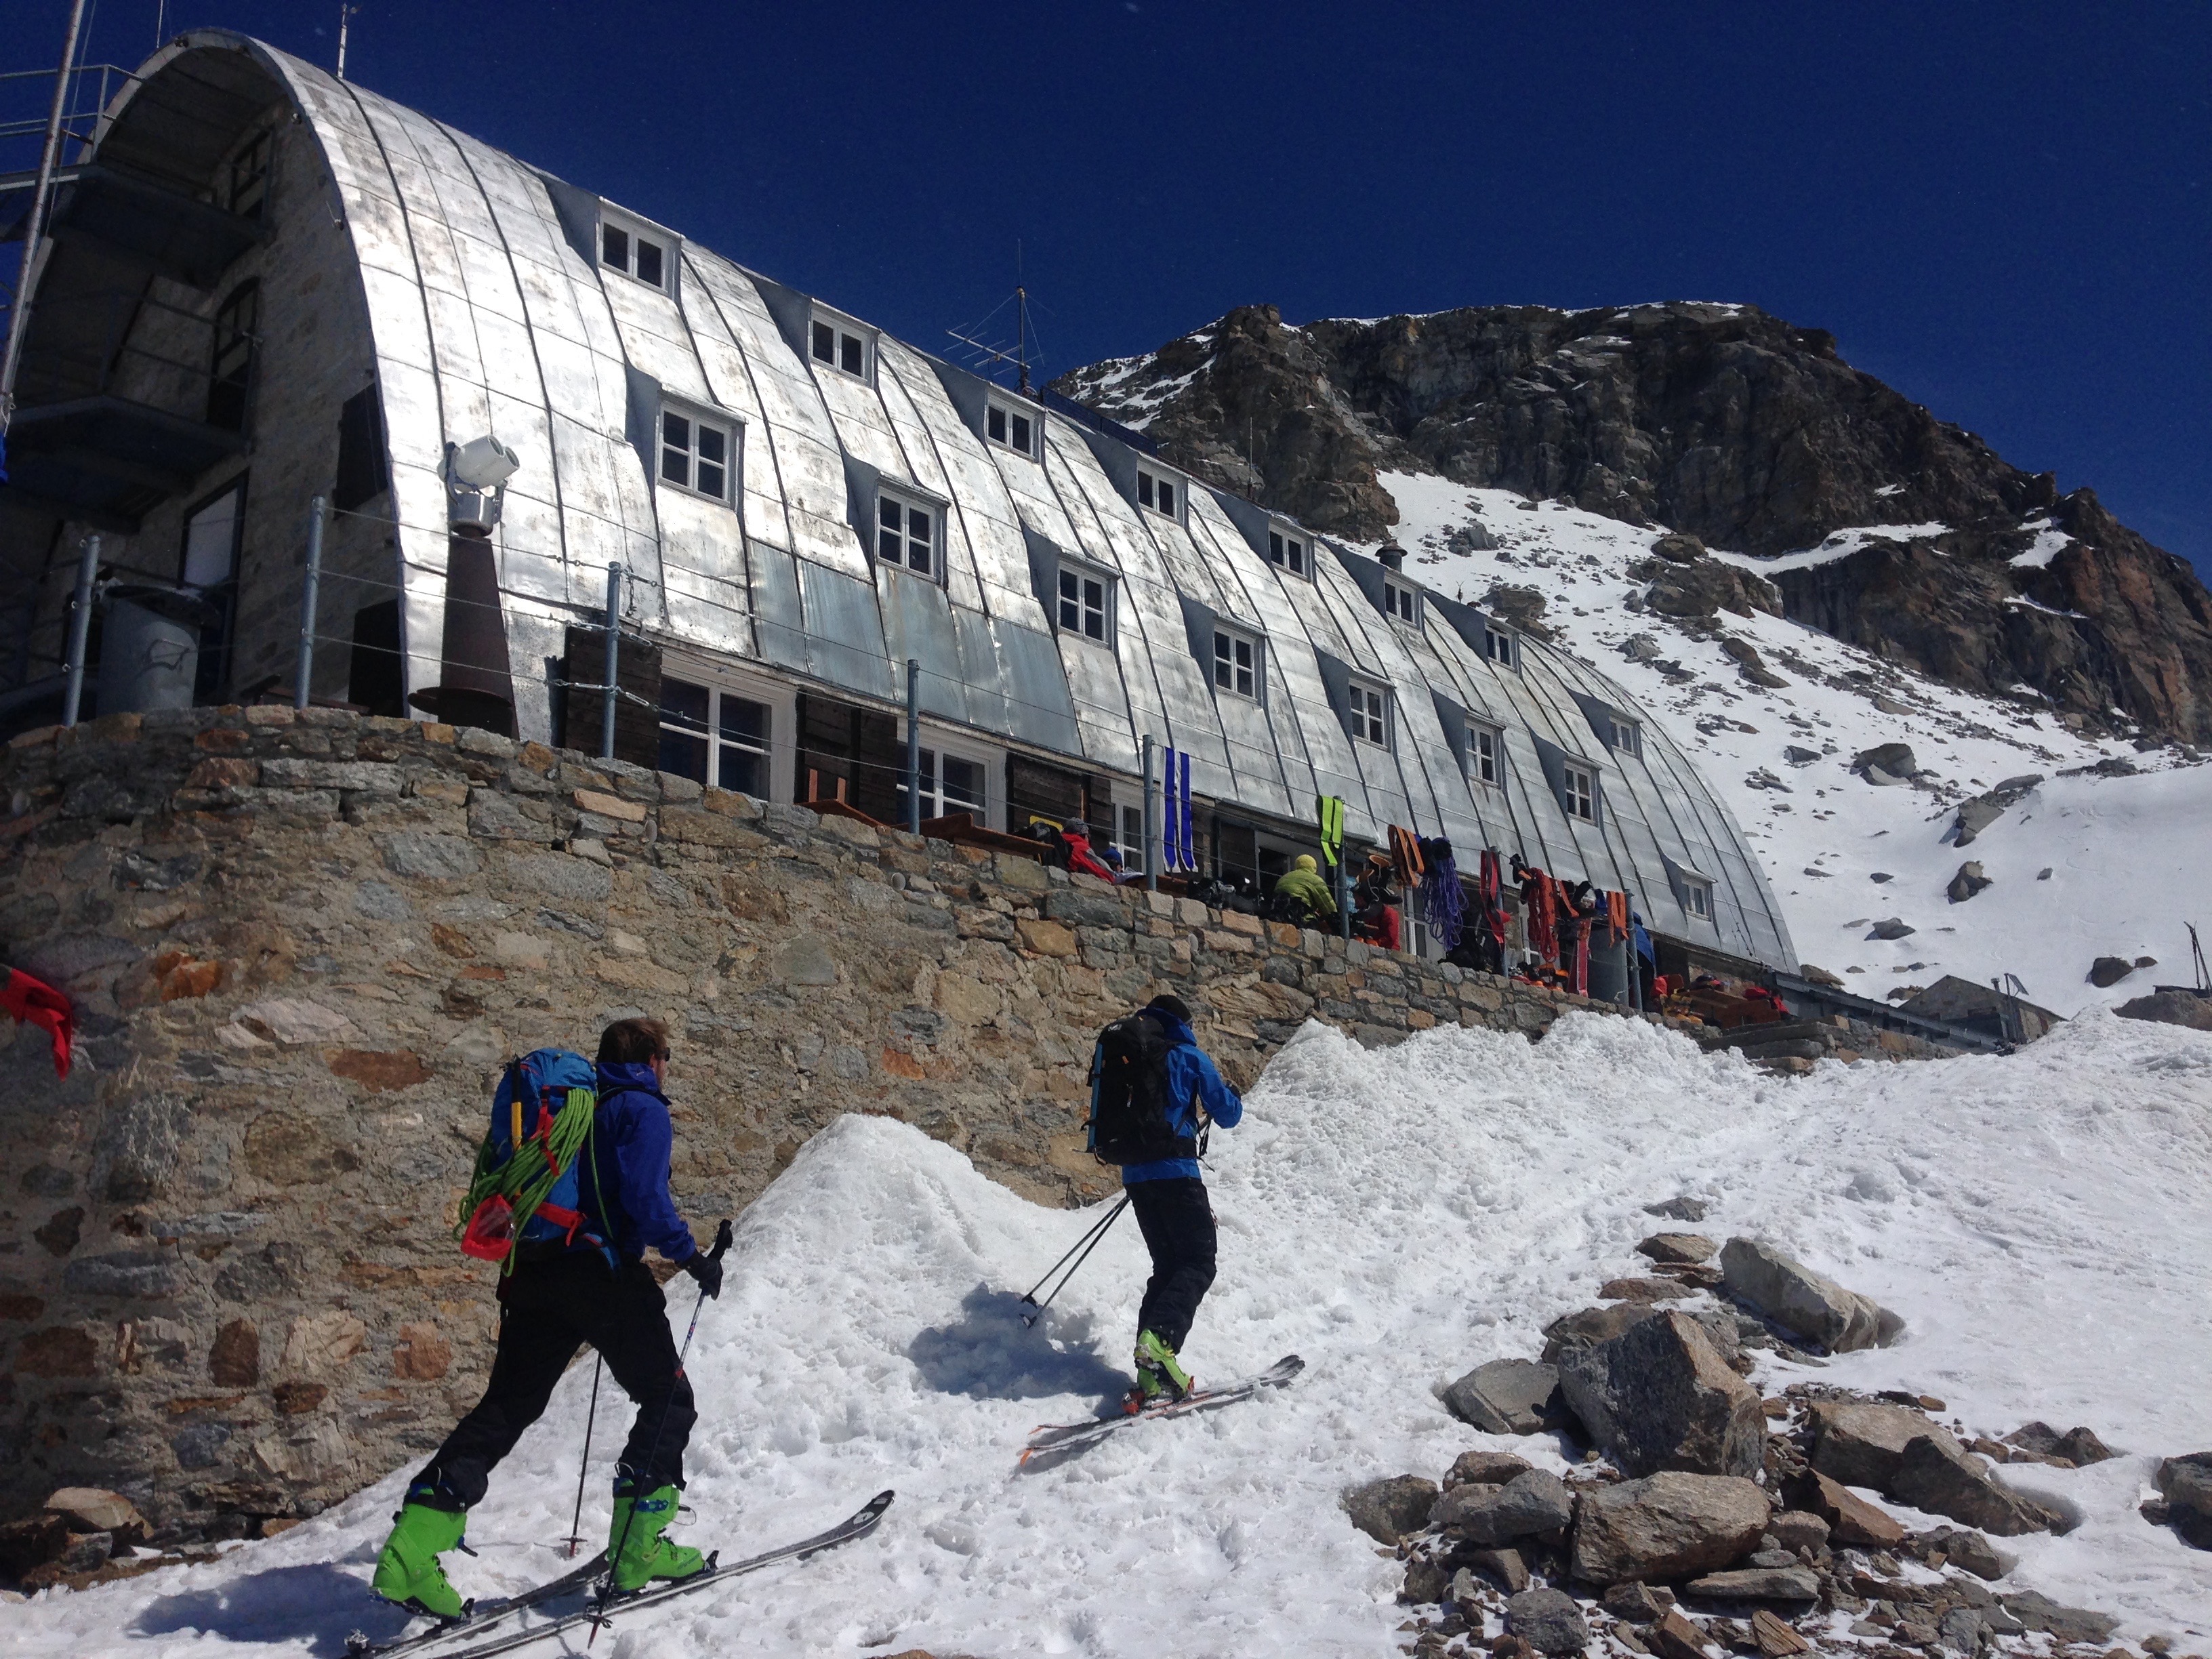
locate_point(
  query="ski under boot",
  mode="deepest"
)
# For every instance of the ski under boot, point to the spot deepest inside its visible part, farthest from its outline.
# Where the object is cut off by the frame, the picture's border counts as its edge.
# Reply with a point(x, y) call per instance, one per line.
point(635, 1541)
point(407, 1571)
point(1161, 1378)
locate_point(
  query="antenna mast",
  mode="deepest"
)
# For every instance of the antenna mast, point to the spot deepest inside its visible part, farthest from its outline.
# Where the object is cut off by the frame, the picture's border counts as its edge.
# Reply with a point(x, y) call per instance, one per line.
point(1023, 334)
point(346, 15)
point(34, 226)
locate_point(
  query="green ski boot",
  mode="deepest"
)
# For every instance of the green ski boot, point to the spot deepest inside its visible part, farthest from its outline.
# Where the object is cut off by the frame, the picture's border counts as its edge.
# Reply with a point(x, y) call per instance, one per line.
point(408, 1571)
point(639, 1553)
point(1161, 1378)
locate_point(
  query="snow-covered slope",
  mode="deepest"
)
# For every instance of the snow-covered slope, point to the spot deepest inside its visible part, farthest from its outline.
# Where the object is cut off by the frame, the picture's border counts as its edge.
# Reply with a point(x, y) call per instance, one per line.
point(2126, 855)
point(1396, 1216)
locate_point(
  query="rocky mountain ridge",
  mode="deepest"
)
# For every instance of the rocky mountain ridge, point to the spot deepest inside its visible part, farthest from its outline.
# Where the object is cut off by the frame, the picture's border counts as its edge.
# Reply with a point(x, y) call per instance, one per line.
point(1877, 523)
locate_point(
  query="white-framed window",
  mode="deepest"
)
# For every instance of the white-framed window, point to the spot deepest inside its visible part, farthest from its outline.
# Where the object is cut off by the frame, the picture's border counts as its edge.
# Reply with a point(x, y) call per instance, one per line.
point(840, 343)
point(1624, 735)
point(1498, 646)
point(1086, 603)
point(1129, 836)
point(1402, 603)
point(698, 454)
point(1159, 493)
point(716, 737)
point(950, 783)
point(1370, 712)
point(907, 534)
point(642, 255)
point(1697, 899)
point(1578, 792)
point(1487, 755)
point(1235, 663)
point(1289, 550)
point(1013, 426)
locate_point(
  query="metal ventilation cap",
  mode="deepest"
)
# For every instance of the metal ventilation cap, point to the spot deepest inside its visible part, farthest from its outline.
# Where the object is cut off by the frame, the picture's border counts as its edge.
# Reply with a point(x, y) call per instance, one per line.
point(476, 477)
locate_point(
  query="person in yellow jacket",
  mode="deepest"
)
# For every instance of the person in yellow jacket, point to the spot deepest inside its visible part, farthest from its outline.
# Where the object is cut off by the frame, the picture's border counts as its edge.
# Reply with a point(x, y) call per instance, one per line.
point(1302, 884)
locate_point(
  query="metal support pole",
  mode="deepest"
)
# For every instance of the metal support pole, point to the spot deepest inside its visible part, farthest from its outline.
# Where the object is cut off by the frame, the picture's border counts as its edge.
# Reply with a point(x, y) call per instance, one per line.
point(35, 227)
point(80, 629)
point(611, 686)
point(913, 746)
point(303, 678)
point(1344, 890)
point(1151, 852)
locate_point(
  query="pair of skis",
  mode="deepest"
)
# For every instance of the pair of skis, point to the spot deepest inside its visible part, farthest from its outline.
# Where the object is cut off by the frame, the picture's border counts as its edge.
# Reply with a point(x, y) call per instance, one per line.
point(1057, 1440)
point(484, 1615)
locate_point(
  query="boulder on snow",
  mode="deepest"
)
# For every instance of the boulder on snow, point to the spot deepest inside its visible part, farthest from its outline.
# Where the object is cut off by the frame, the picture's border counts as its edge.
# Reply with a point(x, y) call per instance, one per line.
point(1532, 1502)
point(1682, 1207)
point(1863, 1445)
point(1504, 1567)
point(1636, 1603)
point(1691, 1248)
point(1761, 1278)
point(1644, 1290)
point(1891, 928)
point(1700, 592)
point(1943, 1478)
point(1507, 1396)
point(1969, 881)
point(1791, 1583)
point(1386, 1510)
point(1548, 1620)
point(1661, 1396)
point(1798, 755)
point(2038, 1612)
point(93, 1509)
point(1679, 547)
point(1425, 1580)
point(2185, 1485)
point(1894, 760)
point(1570, 1334)
point(1819, 975)
point(2108, 971)
point(2078, 1446)
point(2171, 1008)
point(1985, 809)
point(1484, 1469)
point(1666, 1526)
point(1969, 1551)
point(1850, 1518)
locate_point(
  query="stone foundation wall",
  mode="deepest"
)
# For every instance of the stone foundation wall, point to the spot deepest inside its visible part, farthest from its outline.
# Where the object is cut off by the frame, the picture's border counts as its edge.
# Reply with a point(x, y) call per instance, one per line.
point(302, 947)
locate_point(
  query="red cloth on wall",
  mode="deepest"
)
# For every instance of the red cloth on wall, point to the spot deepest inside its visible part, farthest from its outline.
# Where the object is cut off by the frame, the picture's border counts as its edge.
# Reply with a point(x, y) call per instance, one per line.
point(43, 1005)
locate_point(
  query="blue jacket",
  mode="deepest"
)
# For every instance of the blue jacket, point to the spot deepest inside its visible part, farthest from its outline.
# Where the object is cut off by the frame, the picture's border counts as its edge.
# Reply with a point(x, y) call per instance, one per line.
point(1192, 1083)
point(629, 1151)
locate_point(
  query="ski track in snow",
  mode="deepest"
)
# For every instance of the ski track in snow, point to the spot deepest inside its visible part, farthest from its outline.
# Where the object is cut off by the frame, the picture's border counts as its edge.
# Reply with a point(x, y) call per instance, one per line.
point(1396, 1216)
point(2125, 854)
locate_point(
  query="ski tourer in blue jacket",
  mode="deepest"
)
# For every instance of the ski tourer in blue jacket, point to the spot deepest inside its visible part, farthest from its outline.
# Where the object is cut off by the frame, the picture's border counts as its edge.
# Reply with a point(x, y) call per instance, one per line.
point(1173, 1213)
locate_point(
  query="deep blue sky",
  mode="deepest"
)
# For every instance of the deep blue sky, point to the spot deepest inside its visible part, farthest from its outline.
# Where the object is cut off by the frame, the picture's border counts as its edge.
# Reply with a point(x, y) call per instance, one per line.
point(2003, 210)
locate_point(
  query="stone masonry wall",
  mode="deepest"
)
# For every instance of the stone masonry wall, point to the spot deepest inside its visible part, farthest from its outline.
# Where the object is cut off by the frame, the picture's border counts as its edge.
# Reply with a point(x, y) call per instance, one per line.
point(302, 946)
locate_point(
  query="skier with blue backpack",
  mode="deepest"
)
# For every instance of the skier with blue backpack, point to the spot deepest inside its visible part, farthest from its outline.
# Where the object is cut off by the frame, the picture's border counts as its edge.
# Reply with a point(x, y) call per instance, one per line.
point(571, 1190)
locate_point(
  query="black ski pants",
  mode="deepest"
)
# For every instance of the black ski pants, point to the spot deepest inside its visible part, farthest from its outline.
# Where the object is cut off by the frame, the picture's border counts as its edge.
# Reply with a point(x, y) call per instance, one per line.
point(548, 1309)
point(1177, 1222)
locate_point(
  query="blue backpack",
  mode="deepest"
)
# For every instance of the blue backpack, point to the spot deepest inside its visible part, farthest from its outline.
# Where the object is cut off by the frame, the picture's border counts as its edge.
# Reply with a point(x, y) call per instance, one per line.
point(525, 1189)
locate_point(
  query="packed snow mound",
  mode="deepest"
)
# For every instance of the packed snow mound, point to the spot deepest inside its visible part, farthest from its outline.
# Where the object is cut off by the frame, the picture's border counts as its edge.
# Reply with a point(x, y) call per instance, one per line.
point(2126, 854)
point(1396, 1216)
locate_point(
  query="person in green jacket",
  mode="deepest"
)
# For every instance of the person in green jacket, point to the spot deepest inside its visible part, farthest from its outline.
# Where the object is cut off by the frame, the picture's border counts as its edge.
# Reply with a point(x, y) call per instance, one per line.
point(1302, 884)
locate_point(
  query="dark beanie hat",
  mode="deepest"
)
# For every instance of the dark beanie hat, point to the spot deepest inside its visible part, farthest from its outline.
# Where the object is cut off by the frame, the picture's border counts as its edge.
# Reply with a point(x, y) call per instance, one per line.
point(1168, 1003)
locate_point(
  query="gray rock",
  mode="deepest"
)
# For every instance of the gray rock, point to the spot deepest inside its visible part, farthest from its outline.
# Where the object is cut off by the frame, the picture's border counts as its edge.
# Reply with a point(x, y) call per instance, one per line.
point(1974, 816)
point(2078, 1445)
point(2107, 971)
point(1425, 1580)
point(2171, 1008)
point(1972, 1552)
point(1791, 1583)
point(1388, 1509)
point(1890, 928)
point(1549, 1620)
point(1507, 1396)
point(1799, 756)
point(1864, 1445)
point(2038, 1612)
point(1633, 1603)
point(1532, 1502)
point(1661, 1396)
point(1505, 1566)
point(1943, 1478)
point(136, 1273)
point(1681, 1208)
point(1894, 758)
point(1570, 1334)
point(1799, 1529)
point(1689, 1248)
point(426, 855)
point(1969, 881)
point(2186, 1482)
point(1962, 1630)
point(1484, 1468)
point(199, 1447)
point(86, 1552)
point(1666, 1526)
point(1760, 1277)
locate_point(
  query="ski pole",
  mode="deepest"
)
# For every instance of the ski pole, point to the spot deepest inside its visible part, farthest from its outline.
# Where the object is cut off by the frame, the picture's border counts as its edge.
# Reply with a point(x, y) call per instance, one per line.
point(576, 1523)
point(1097, 1235)
point(722, 1237)
point(1096, 1228)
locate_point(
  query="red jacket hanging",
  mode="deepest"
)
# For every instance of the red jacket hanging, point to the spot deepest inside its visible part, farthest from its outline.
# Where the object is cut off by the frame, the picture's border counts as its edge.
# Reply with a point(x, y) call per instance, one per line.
point(43, 1005)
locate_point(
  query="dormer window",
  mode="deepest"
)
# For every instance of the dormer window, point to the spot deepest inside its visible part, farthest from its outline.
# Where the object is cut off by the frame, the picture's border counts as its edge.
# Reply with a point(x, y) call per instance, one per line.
point(1012, 427)
point(906, 533)
point(1086, 603)
point(841, 344)
point(1156, 493)
point(1624, 735)
point(1498, 646)
point(1487, 755)
point(640, 254)
point(1370, 712)
point(1578, 792)
point(1697, 899)
point(695, 453)
point(1402, 603)
point(1235, 663)
point(1288, 550)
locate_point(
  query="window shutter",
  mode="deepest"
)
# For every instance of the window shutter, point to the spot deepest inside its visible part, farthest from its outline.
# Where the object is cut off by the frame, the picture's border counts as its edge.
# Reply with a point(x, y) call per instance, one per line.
point(361, 475)
point(637, 728)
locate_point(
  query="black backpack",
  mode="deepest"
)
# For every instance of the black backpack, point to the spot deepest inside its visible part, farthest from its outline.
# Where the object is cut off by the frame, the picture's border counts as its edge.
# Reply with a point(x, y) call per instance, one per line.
point(1130, 1100)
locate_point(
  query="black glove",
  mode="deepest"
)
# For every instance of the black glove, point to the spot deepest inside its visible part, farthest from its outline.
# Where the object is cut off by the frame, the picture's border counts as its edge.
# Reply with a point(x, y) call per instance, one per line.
point(707, 1270)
